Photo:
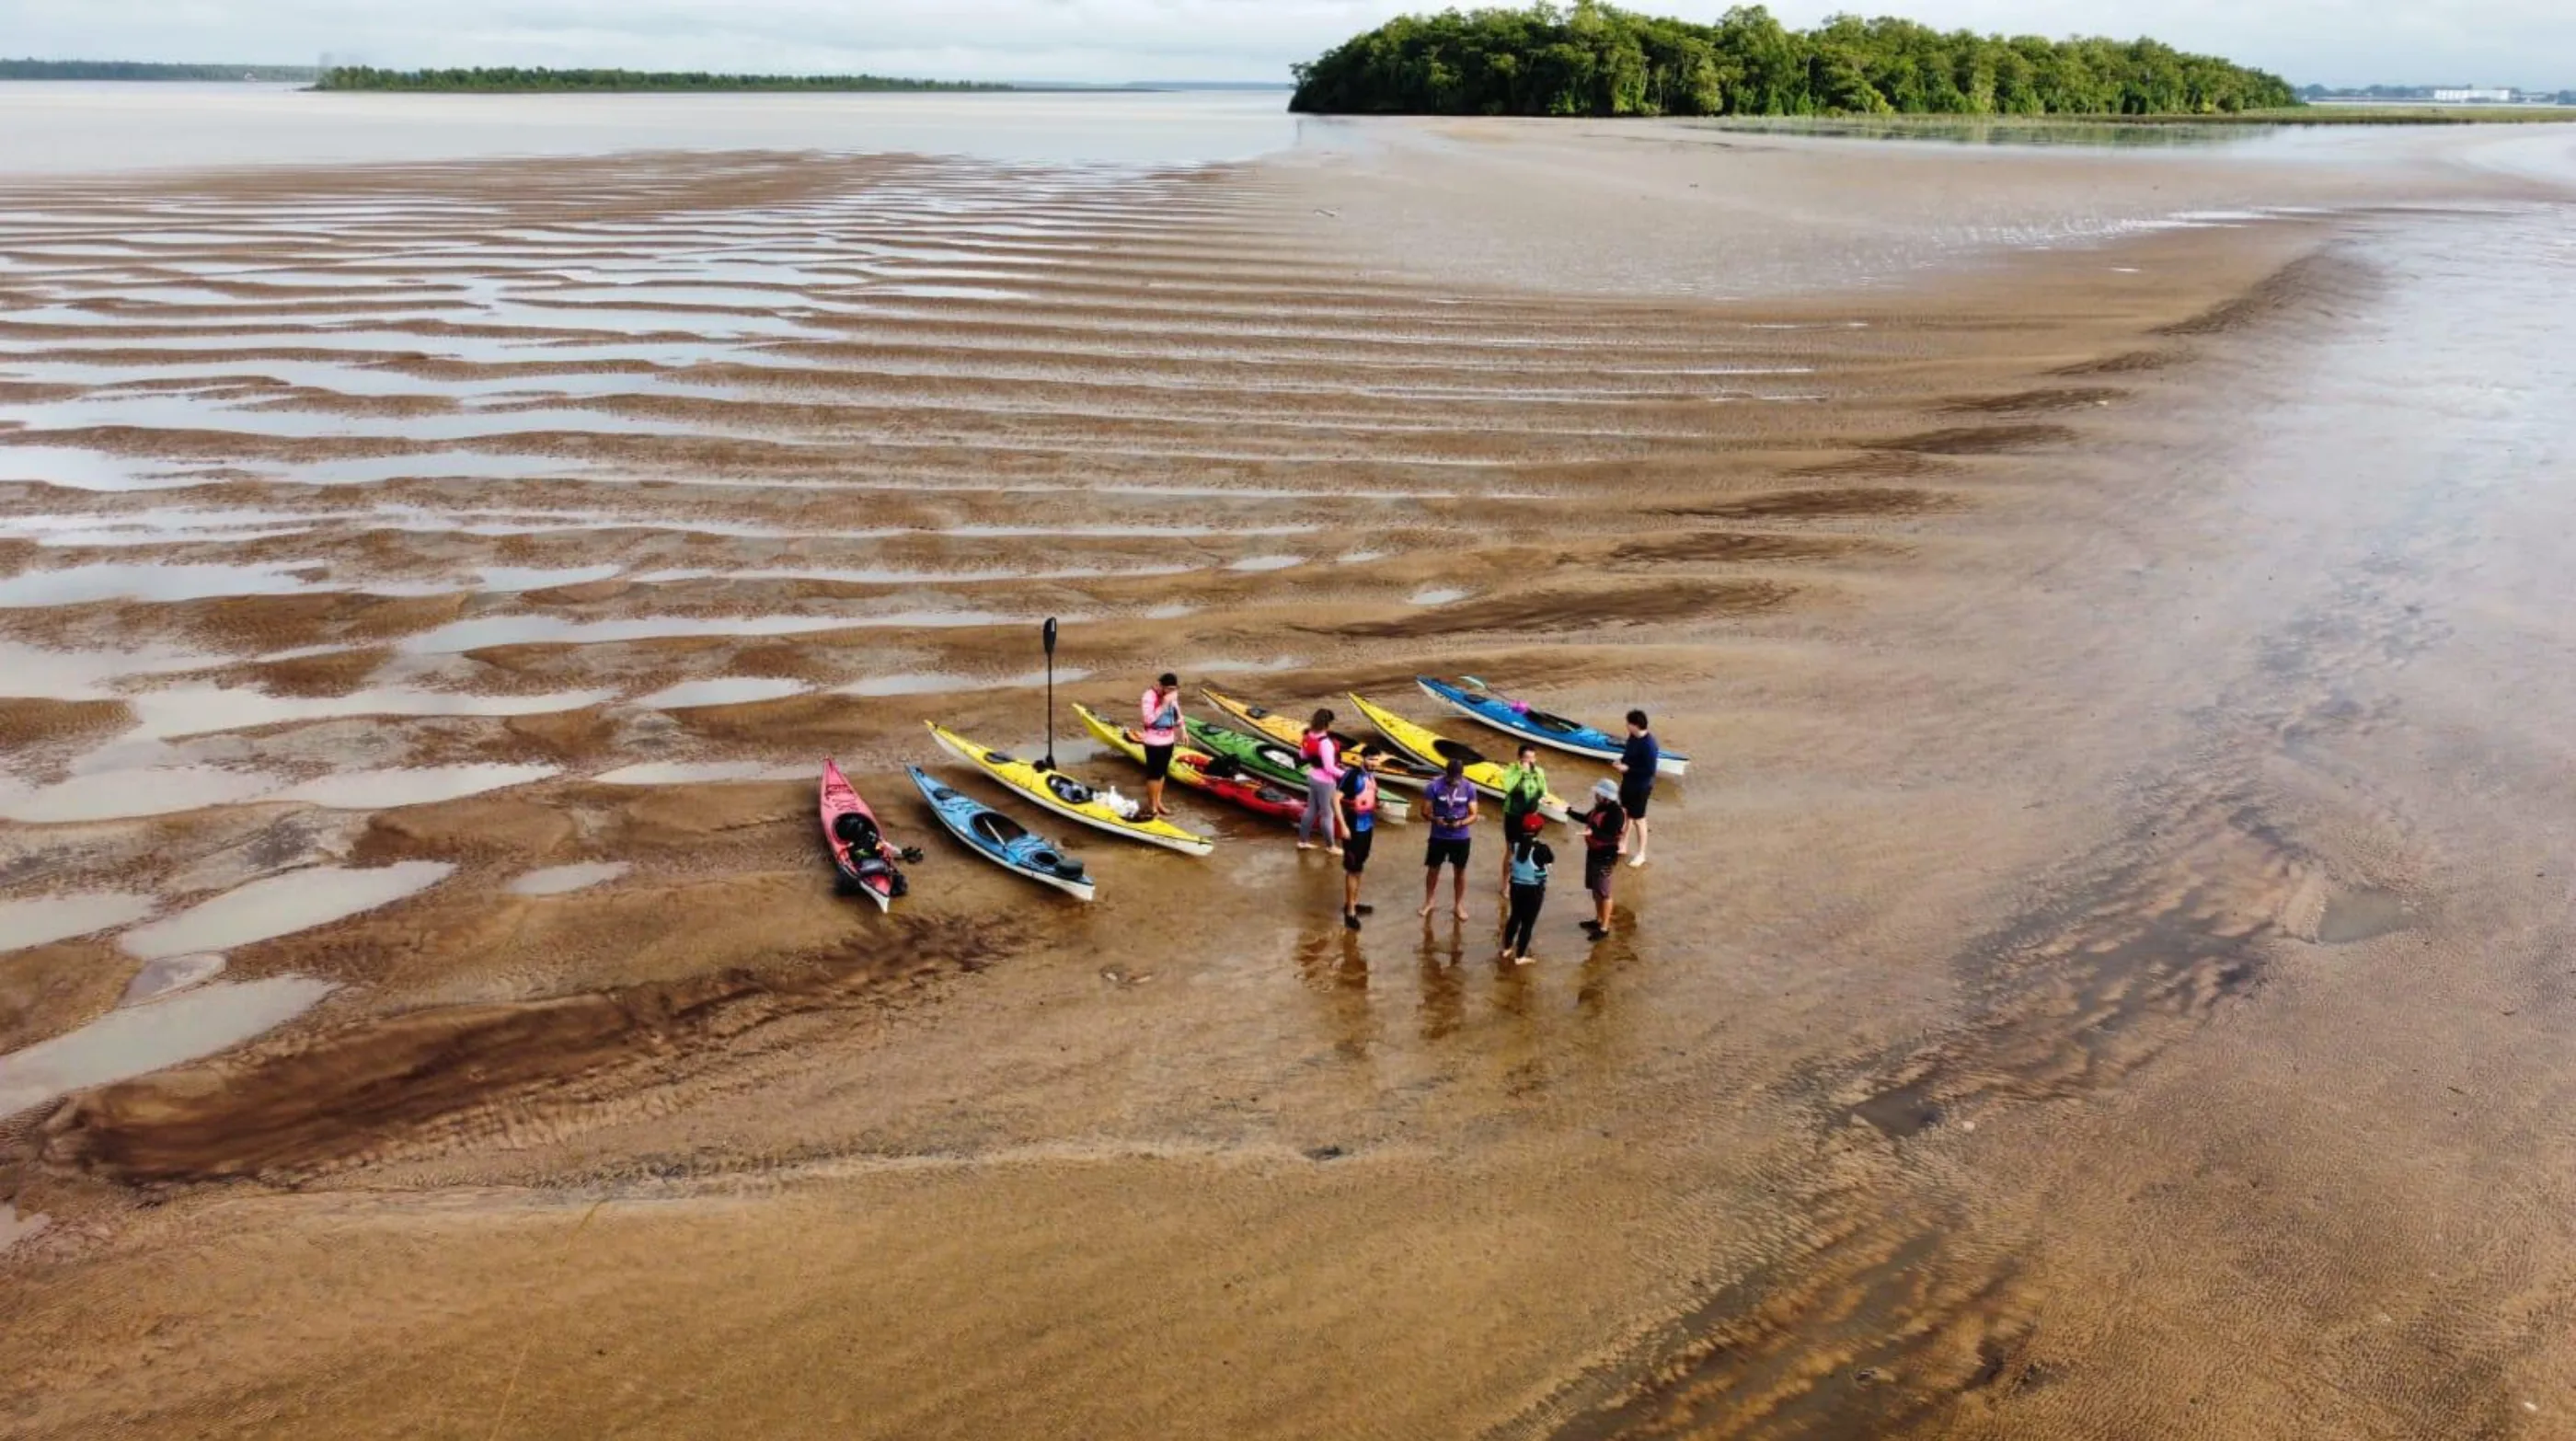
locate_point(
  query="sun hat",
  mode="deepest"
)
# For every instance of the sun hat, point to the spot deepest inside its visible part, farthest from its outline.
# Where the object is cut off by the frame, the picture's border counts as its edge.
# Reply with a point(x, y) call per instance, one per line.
point(1606, 790)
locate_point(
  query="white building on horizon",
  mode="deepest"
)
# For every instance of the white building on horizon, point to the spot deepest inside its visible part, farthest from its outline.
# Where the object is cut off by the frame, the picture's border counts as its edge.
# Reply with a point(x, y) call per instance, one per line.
point(2474, 95)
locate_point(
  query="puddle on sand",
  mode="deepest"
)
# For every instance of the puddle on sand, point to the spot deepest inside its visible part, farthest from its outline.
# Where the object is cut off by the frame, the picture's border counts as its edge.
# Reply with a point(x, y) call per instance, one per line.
point(942, 683)
point(412, 785)
point(76, 469)
point(15, 1228)
point(563, 880)
point(1437, 595)
point(169, 975)
point(2361, 916)
point(1266, 562)
point(200, 710)
point(499, 630)
point(692, 773)
point(281, 905)
point(726, 690)
point(87, 584)
point(32, 921)
point(47, 674)
point(126, 1043)
point(126, 794)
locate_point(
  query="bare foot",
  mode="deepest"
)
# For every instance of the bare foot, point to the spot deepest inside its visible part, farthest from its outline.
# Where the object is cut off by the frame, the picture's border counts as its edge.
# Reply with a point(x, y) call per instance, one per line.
point(1525, 961)
point(1639, 861)
point(1462, 913)
point(1425, 912)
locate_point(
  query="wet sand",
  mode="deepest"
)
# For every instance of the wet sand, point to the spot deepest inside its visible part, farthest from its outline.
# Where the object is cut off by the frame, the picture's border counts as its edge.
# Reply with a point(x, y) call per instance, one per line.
point(2101, 976)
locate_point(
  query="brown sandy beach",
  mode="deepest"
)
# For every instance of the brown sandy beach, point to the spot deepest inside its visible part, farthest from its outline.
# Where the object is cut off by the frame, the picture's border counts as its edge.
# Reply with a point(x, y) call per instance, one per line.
point(2103, 975)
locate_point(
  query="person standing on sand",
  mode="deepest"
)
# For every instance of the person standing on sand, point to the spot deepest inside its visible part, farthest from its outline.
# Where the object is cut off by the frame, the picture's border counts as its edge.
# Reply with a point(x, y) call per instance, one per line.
point(1452, 798)
point(1604, 827)
point(1357, 792)
point(1323, 757)
point(1524, 786)
point(1528, 869)
point(1160, 712)
point(1636, 765)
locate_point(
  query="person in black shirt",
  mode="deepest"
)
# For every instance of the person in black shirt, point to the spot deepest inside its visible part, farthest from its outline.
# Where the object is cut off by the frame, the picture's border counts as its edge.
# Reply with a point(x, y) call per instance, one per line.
point(1636, 765)
point(1604, 827)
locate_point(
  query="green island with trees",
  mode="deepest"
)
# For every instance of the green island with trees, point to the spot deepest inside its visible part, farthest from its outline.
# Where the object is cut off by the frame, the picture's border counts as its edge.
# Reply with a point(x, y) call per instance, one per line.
point(142, 70)
point(513, 79)
point(1596, 60)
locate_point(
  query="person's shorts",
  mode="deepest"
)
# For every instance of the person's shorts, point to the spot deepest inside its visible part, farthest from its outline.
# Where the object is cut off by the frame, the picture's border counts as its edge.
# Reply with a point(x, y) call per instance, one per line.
point(1598, 867)
point(1633, 801)
point(1447, 853)
point(1158, 762)
point(1355, 851)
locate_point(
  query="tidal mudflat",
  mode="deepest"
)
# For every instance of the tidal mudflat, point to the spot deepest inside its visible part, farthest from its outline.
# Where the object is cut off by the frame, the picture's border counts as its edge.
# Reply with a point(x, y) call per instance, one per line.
point(2104, 972)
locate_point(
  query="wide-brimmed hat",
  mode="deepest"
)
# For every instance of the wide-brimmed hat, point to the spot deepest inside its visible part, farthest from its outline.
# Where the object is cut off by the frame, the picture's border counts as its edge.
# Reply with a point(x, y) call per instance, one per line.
point(1606, 790)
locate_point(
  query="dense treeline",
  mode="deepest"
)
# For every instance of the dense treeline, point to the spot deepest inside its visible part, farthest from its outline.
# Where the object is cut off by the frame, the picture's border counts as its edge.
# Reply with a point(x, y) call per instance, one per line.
point(139, 70)
point(517, 78)
point(1597, 60)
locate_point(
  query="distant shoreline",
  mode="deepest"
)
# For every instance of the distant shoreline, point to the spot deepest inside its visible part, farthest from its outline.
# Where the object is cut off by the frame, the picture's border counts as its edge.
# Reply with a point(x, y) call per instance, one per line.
point(538, 80)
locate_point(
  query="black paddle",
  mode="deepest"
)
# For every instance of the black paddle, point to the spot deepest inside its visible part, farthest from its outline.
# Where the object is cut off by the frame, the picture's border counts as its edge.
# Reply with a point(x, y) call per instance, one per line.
point(1049, 763)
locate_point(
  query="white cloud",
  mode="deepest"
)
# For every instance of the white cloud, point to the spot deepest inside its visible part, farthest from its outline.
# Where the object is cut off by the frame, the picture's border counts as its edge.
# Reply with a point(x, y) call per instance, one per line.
point(2517, 42)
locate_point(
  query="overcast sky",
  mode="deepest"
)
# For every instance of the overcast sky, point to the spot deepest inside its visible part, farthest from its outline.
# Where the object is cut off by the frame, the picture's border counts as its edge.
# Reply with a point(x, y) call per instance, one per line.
point(2494, 42)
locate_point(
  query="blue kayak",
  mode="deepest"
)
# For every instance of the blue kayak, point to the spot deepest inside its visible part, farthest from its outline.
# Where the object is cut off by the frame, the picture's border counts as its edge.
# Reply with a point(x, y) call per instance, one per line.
point(1537, 726)
point(1002, 840)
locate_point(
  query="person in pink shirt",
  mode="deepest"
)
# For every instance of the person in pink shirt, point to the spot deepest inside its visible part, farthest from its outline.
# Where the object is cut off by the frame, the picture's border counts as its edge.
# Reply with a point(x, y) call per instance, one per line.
point(1323, 757)
point(1159, 729)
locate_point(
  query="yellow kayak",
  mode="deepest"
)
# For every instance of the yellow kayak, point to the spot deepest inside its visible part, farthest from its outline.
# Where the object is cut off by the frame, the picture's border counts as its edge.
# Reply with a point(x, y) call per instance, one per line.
point(1428, 747)
point(1389, 767)
point(1066, 796)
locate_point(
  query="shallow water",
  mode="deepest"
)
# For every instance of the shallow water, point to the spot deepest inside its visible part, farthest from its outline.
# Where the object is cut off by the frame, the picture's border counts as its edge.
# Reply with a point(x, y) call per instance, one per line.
point(92, 127)
point(122, 794)
point(691, 773)
point(412, 785)
point(726, 690)
point(281, 905)
point(135, 1040)
point(169, 975)
point(563, 880)
point(29, 921)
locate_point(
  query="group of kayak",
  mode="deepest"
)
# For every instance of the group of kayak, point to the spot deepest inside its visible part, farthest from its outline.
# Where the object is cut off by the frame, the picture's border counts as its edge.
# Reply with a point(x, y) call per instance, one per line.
point(1328, 784)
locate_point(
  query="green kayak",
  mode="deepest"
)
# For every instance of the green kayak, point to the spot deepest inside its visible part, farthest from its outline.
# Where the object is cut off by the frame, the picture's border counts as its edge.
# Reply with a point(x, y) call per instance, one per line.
point(1278, 764)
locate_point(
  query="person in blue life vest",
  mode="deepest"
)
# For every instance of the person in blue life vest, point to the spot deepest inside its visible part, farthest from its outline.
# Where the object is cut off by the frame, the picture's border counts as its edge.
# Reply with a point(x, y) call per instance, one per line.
point(1636, 765)
point(1356, 794)
point(1452, 800)
point(1529, 860)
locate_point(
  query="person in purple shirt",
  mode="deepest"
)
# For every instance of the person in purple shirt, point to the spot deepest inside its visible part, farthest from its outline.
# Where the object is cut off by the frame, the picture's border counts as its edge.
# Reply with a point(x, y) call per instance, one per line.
point(1452, 800)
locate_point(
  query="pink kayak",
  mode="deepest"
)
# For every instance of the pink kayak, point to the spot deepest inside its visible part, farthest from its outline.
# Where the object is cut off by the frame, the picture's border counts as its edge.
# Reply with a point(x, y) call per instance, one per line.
point(860, 851)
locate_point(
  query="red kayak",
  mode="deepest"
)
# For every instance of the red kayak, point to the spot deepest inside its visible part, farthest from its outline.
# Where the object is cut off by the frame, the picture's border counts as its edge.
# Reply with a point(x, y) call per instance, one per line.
point(860, 851)
point(1203, 772)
